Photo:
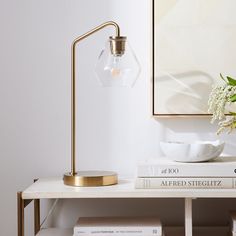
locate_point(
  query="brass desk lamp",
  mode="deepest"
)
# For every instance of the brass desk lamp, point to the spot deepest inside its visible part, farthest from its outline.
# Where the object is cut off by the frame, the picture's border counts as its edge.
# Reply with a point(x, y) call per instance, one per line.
point(116, 66)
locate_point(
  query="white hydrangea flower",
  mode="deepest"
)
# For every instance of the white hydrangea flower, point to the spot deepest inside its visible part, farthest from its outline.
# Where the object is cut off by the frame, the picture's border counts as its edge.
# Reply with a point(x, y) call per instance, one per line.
point(218, 99)
point(229, 123)
point(220, 103)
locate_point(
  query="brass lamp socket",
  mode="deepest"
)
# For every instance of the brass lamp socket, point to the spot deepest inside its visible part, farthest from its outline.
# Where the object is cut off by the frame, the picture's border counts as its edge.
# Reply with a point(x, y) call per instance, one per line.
point(117, 45)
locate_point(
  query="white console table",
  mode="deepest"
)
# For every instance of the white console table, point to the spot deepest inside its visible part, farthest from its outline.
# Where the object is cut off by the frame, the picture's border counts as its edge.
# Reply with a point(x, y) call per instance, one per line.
point(54, 188)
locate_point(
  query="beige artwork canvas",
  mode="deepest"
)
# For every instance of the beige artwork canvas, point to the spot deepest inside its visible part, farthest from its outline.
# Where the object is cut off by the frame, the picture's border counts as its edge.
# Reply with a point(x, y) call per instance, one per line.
point(193, 42)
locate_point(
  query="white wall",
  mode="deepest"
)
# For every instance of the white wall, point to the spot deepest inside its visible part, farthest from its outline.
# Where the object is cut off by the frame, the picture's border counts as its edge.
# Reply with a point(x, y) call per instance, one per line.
point(115, 126)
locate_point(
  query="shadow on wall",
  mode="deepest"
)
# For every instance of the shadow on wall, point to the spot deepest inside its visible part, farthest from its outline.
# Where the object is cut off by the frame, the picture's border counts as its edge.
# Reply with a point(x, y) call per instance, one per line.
point(186, 93)
point(200, 125)
point(196, 92)
point(190, 96)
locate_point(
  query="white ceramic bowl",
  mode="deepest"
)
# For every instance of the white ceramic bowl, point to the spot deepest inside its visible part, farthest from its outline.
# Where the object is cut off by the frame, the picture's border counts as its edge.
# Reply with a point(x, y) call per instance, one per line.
point(192, 152)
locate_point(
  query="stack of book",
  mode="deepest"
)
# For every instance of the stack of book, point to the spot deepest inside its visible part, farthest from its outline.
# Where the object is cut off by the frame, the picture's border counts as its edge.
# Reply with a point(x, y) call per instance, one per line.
point(165, 174)
point(233, 223)
point(118, 226)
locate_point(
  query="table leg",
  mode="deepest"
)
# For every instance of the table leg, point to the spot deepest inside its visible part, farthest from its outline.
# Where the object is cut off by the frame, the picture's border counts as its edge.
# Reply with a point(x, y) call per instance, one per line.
point(188, 217)
point(20, 214)
point(21, 205)
point(36, 216)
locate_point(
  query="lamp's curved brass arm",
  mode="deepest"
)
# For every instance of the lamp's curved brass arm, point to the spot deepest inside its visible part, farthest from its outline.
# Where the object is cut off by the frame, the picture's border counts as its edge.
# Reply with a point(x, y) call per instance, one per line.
point(98, 28)
point(73, 86)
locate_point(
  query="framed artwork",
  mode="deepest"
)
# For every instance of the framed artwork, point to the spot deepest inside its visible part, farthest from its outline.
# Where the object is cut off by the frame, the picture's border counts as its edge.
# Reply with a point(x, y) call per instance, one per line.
point(193, 42)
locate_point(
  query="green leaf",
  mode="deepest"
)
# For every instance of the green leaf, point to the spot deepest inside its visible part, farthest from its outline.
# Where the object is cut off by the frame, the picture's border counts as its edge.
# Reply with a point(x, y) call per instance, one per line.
point(232, 113)
point(233, 98)
point(232, 81)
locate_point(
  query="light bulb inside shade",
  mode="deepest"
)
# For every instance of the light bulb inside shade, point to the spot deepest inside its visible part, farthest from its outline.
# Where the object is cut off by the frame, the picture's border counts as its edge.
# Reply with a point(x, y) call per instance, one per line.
point(117, 70)
point(113, 67)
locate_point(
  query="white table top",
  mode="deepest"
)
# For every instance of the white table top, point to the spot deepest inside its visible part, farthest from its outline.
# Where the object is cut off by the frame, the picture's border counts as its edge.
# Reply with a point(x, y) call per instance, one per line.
point(54, 188)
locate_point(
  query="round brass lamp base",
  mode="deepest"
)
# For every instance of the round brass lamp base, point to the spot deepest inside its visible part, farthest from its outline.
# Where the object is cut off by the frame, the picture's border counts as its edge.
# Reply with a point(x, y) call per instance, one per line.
point(90, 178)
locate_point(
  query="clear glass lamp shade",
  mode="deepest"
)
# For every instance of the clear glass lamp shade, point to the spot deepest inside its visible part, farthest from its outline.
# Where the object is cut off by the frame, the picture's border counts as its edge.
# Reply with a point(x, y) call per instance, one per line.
point(115, 70)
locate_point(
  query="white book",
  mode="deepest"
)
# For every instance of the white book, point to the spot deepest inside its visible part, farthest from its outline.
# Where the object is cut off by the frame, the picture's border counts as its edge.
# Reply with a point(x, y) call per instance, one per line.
point(185, 183)
point(118, 226)
point(162, 167)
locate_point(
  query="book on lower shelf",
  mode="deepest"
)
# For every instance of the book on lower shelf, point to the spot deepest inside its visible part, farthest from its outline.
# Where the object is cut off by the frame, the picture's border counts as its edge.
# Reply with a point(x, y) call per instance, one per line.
point(162, 167)
point(118, 226)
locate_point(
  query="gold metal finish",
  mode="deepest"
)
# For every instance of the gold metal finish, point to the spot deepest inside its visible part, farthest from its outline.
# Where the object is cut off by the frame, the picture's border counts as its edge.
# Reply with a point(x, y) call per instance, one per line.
point(119, 48)
point(117, 45)
point(21, 205)
point(90, 178)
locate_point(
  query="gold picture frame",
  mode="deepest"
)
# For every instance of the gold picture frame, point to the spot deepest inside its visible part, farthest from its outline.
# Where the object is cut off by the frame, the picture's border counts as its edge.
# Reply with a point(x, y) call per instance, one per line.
point(187, 37)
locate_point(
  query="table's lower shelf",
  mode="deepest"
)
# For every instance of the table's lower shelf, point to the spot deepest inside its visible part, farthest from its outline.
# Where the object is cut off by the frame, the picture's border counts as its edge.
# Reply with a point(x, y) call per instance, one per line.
point(169, 231)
